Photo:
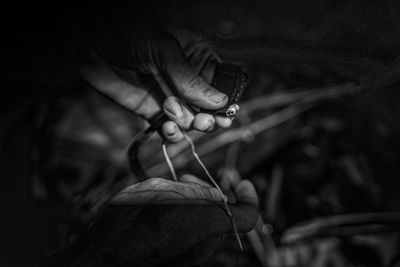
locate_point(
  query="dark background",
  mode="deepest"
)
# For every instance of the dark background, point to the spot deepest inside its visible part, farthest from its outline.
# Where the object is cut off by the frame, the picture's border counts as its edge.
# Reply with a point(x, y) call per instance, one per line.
point(297, 43)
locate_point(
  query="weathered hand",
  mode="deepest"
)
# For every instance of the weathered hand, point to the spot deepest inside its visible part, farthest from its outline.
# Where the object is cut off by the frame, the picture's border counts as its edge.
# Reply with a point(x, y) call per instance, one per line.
point(131, 63)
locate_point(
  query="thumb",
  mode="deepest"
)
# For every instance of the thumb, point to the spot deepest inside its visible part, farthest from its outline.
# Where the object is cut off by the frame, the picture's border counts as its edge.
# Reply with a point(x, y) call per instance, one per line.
point(189, 84)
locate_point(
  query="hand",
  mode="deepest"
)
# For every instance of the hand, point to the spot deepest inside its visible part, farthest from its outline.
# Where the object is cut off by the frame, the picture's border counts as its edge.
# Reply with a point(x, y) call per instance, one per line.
point(163, 223)
point(130, 64)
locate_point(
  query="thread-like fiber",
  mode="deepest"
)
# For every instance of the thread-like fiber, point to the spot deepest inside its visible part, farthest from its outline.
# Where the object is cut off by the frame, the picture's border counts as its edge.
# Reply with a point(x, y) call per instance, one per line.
point(228, 211)
point(169, 162)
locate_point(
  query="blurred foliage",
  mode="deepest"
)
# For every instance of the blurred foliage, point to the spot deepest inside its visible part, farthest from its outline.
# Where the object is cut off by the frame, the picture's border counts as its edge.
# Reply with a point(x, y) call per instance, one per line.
point(337, 158)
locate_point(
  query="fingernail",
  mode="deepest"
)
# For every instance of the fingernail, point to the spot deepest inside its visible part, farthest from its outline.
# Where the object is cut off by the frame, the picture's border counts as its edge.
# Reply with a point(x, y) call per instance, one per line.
point(175, 109)
point(217, 97)
point(171, 132)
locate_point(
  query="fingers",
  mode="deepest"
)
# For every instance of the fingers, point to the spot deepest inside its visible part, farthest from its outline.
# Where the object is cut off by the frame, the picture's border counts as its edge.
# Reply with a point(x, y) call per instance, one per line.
point(204, 122)
point(171, 132)
point(182, 118)
point(195, 90)
point(178, 112)
point(199, 44)
point(223, 122)
point(208, 70)
point(199, 58)
point(245, 212)
point(246, 194)
point(202, 58)
point(190, 84)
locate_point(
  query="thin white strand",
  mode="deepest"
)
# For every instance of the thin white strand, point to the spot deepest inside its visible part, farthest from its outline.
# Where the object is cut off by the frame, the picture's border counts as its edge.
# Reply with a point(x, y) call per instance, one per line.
point(169, 162)
point(228, 211)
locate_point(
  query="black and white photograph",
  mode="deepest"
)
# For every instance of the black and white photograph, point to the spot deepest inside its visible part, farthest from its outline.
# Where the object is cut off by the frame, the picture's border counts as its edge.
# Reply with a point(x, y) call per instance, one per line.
point(200, 133)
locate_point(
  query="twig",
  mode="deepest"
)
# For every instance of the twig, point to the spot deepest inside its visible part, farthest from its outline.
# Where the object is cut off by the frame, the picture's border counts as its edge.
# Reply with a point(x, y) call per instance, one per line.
point(274, 193)
point(301, 95)
point(315, 226)
point(257, 245)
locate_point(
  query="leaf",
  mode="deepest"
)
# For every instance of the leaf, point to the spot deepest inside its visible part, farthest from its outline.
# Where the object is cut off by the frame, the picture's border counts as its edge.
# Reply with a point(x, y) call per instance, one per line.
point(162, 191)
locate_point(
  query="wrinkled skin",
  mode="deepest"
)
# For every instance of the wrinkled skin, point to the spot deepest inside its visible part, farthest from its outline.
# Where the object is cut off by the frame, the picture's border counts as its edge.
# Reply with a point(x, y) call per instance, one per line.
point(147, 69)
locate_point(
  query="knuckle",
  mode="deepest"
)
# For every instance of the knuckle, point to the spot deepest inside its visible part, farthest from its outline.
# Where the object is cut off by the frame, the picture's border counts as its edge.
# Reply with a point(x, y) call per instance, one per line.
point(186, 124)
point(204, 122)
point(194, 83)
point(170, 101)
point(208, 91)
